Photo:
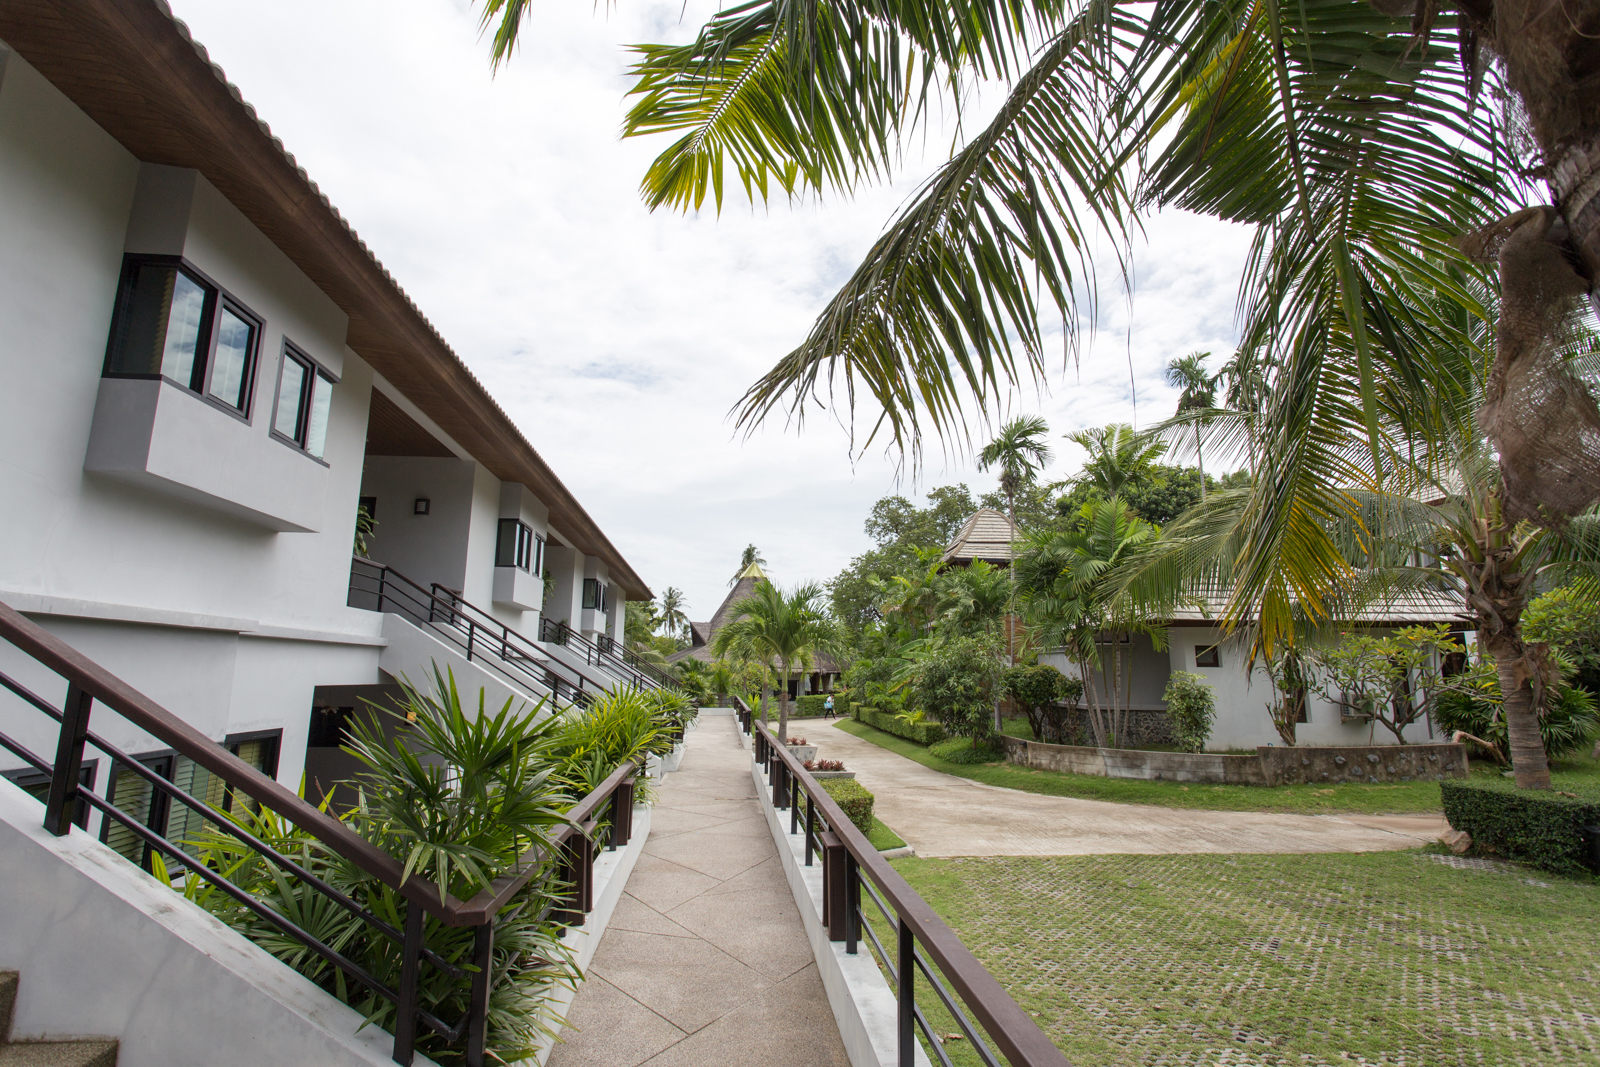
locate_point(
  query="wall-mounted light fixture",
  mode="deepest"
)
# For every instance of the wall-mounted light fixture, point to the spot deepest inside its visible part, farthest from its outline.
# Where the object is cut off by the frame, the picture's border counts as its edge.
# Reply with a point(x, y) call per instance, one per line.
point(420, 507)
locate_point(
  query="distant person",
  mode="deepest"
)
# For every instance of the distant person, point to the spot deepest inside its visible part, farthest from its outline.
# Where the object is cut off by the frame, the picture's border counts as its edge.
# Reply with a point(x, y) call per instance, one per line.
point(827, 705)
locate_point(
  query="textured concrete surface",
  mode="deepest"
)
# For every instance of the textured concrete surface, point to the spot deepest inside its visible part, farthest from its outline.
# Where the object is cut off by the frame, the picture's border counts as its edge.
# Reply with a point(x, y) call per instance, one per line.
point(705, 960)
point(941, 815)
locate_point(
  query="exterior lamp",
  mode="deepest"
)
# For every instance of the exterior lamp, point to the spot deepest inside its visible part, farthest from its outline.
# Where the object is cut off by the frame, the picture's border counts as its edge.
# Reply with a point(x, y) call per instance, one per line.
point(420, 507)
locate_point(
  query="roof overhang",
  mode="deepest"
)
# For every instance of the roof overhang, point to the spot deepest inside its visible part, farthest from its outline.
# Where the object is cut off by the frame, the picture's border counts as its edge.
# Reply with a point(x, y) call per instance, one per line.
point(135, 70)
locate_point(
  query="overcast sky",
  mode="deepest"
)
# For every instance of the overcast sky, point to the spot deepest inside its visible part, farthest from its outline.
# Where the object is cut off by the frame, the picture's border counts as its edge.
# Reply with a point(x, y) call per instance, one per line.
point(618, 339)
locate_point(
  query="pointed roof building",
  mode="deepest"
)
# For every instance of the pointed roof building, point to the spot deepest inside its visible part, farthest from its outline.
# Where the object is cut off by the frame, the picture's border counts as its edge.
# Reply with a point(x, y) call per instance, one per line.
point(986, 535)
point(701, 633)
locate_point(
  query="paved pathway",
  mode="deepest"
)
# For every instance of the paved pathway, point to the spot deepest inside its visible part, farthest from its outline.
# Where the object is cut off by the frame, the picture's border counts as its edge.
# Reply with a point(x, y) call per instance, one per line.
point(942, 815)
point(705, 961)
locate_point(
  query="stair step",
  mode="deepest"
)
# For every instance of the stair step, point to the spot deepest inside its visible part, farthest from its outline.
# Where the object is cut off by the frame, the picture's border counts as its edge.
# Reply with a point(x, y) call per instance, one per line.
point(8, 1002)
point(59, 1054)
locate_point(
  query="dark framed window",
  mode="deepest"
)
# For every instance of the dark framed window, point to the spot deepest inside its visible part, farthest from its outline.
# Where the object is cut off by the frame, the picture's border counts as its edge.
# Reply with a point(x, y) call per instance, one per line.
point(594, 594)
point(173, 322)
point(304, 398)
point(37, 785)
point(1207, 656)
point(518, 546)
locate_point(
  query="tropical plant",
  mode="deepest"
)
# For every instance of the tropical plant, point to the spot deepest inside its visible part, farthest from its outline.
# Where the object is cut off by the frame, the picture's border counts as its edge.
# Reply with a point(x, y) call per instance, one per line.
point(460, 797)
point(1474, 708)
point(1119, 458)
point(671, 615)
point(772, 625)
point(1192, 706)
point(750, 557)
point(366, 529)
point(956, 683)
point(1037, 690)
point(1020, 451)
point(1064, 578)
point(1198, 397)
point(1289, 674)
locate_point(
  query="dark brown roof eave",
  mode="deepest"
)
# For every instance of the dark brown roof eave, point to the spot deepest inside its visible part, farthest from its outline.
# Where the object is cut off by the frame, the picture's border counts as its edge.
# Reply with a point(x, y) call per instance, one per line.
point(134, 69)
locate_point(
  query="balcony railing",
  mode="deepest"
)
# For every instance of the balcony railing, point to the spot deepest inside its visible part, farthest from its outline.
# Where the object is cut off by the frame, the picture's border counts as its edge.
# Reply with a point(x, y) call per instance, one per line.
point(484, 639)
point(566, 855)
point(913, 939)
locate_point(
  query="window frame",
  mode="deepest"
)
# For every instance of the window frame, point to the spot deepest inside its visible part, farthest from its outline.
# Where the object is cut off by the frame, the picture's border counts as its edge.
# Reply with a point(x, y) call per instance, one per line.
point(526, 550)
point(29, 780)
point(1213, 653)
point(314, 367)
point(217, 299)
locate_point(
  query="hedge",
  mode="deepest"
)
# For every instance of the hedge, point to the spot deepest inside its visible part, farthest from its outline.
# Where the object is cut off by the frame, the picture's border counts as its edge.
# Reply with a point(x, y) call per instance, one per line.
point(1536, 826)
point(810, 706)
point(925, 732)
point(854, 798)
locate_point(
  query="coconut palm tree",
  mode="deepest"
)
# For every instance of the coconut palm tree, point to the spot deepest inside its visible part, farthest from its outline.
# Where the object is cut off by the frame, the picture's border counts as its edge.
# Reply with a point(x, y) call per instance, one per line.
point(771, 625)
point(671, 612)
point(1199, 394)
point(1118, 457)
point(1020, 452)
point(750, 556)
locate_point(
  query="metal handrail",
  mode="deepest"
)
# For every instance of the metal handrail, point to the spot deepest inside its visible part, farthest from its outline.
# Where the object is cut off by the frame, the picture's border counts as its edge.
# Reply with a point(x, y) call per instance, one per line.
point(88, 682)
point(556, 632)
point(921, 935)
point(396, 593)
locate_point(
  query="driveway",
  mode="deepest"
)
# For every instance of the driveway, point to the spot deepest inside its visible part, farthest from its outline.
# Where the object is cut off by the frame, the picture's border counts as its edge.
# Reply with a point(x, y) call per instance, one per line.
point(941, 815)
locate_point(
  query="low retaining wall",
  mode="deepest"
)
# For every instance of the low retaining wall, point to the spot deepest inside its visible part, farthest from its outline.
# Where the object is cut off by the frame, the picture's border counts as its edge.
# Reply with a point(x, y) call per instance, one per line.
point(1270, 765)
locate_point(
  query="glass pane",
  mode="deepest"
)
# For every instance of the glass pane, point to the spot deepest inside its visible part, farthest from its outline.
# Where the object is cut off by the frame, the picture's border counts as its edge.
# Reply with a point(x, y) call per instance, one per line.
point(287, 420)
point(235, 343)
point(505, 549)
point(182, 343)
point(131, 794)
point(317, 425)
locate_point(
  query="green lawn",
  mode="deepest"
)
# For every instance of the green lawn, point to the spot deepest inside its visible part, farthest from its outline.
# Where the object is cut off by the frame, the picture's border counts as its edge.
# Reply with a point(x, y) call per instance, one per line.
point(1391, 958)
point(1396, 797)
point(882, 837)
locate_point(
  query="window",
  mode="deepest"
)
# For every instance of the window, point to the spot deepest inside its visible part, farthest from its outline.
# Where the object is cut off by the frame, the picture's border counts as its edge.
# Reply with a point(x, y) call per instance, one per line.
point(594, 593)
point(37, 786)
point(1207, 656)
point(518, 546)
point(305, 392)
point(172, 322)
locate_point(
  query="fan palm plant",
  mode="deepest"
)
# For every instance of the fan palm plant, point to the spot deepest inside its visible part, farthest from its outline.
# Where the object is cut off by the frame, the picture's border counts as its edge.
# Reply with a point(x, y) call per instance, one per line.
point(772, 625)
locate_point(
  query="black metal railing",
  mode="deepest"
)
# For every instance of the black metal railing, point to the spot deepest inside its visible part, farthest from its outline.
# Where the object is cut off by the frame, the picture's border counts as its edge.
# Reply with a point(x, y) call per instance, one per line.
point(566, 855)
point(914, 939)
point(483, 639)
point(608, 654)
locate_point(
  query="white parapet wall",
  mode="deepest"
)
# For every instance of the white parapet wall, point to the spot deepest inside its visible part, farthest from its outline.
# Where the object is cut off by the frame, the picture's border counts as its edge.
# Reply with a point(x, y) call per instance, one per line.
point(105, 950)
point(863, 1004)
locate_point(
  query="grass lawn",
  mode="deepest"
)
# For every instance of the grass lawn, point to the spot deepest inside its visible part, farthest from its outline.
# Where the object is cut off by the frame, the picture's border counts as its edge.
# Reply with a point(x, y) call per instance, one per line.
point(1312, 799)
point(1392, 958)
point(882, 837)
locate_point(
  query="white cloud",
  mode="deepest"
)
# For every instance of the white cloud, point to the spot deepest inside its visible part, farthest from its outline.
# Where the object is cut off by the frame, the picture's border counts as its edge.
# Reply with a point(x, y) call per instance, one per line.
point(618, 339)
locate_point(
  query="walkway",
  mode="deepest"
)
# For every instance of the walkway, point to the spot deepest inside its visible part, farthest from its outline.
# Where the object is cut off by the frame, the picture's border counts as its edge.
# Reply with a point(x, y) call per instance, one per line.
point(705, 960)
point(941, 815)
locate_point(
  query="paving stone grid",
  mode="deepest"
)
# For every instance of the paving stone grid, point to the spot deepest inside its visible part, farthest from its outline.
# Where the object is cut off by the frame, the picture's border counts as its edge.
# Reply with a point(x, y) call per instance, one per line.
point(1398, 960)
point(705, 960)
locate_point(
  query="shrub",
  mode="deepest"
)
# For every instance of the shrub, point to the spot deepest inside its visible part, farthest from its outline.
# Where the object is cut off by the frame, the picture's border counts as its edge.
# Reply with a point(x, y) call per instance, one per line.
point(1568, 723)
point(923, 733)
point(1542, 827)
point(854, 798)
point(824, 765)
point(1193, 708)
point(809, 706)
point(1037, 690)
point(959, 750)
point(957, 683)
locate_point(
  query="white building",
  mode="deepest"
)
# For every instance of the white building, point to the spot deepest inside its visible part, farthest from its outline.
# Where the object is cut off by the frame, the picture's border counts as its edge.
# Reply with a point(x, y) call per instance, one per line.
point(207, 372)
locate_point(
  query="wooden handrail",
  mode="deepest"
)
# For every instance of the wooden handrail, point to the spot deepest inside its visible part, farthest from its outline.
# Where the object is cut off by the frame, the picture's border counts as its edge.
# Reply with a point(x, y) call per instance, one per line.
point(1015, 1033)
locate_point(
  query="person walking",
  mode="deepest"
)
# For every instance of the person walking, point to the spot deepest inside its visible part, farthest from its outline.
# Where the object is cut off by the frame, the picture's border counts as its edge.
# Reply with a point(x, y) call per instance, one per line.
point(827, 705)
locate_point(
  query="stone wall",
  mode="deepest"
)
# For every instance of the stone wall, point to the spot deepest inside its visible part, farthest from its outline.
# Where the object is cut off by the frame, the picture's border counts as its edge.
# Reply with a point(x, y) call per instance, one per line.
point(1148, 727)
point(1365, 763)
point(1269, 766)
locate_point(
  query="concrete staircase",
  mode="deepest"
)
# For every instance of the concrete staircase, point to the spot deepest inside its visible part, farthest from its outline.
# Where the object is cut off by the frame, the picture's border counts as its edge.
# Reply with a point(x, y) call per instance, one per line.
point(45, 1053)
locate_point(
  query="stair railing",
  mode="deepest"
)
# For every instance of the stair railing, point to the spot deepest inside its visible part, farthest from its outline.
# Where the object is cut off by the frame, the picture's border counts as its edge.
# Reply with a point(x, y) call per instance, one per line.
point(379, 587)
point(914, 940)
point(566, 854)
point(607, 652)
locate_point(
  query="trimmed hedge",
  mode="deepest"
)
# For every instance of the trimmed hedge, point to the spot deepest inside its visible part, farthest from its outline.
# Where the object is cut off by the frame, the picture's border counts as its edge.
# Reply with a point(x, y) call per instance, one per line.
point(1535, 826)
point(961, 750)
point(854, 798)
point(925, 732)
point(810, 706)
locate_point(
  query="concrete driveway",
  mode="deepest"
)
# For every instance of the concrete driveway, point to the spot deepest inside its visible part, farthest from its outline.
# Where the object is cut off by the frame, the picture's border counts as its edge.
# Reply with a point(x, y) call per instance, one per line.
point(941, 815)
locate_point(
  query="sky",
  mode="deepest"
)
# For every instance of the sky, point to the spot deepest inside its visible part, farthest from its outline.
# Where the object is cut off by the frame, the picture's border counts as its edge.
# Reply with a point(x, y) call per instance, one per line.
point(617, 339)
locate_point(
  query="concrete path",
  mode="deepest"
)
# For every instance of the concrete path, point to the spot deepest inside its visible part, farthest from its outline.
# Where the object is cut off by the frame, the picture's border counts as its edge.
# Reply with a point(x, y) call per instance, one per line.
point(941, 815)
point(705, 961)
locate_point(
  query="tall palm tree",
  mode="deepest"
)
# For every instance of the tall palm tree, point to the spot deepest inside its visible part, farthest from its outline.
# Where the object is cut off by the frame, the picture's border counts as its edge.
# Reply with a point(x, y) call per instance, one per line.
point(1199, 394)
point(671, 612)
point(1020, 452)
point(1118, 457)
point(769, 625)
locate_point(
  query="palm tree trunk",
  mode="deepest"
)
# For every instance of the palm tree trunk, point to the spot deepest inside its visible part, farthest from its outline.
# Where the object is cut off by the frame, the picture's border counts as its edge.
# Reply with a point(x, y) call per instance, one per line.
point(783, 700)
point(1529, 761)
point(766, 688)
